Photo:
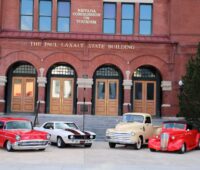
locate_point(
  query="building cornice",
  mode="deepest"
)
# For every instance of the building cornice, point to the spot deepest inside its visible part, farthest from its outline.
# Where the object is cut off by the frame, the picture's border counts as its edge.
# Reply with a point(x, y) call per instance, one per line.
point(85, 37)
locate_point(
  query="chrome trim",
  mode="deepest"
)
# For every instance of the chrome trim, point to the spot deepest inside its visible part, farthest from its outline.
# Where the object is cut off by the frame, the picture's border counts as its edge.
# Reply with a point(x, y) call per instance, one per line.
point(164, 139)
point(119, 137)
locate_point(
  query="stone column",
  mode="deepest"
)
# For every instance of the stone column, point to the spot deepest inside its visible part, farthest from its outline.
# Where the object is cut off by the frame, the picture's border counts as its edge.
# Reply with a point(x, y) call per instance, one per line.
point(42, 81)
point(3, 80)
point(127, 105)
point(84, 95)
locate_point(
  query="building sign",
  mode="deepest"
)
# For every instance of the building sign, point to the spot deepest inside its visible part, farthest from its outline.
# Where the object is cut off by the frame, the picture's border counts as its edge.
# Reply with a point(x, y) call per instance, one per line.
point(81, 45)
point(86, 16)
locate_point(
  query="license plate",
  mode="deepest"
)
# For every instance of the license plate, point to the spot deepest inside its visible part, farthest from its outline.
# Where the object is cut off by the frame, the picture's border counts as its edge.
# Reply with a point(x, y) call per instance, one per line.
point(82, 142)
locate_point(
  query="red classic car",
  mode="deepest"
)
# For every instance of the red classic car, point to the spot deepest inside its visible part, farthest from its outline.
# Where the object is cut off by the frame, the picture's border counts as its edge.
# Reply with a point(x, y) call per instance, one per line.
point(18, 134)
point(175, 136)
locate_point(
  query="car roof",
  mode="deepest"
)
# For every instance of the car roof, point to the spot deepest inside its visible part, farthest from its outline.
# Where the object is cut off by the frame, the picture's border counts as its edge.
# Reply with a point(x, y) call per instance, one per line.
point(58, 122)
point(6, 119)
point(137, 113)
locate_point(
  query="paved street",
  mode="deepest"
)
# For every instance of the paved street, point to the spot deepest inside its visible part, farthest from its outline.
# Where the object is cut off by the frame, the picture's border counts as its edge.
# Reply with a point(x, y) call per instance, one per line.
point(99, 157)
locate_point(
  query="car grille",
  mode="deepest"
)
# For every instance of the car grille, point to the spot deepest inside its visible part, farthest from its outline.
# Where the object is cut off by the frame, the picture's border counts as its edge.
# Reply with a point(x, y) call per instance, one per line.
point(33, 143)
point(118, 136)
point(81, 137)
point(164, 141)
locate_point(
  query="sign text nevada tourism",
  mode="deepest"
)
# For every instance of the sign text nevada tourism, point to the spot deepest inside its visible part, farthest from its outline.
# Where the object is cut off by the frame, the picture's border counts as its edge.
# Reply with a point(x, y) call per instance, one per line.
point(80, 45)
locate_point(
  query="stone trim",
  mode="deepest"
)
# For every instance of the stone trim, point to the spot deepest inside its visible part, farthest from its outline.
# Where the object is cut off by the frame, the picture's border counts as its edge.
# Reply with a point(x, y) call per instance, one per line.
point(127, 104)
point(166, 85)
point(166, 105)
point(3, 80)
point(41, 101)
point(2, 101)
point(87, 103)
point(84, 83)
point(127, 84)
point(42, 81)
point(135, 1)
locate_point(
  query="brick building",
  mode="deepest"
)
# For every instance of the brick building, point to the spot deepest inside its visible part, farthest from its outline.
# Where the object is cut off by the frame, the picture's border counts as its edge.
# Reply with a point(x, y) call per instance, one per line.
point(114, 55)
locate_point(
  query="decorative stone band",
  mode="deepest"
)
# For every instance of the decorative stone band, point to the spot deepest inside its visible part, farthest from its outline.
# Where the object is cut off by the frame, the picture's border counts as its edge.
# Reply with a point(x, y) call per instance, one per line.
point(41, 101)
point(3, 80)
point(134, 1)
point(2, 101)
point(127, 84)
point(84, 83)
point(127, 104)
point(166, 85)
point(86, 103)
point(166, 105)
point(41, 81)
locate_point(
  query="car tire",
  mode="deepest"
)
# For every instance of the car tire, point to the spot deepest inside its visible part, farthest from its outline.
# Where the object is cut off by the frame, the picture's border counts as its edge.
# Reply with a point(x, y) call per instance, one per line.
point(9, 146)
point(41, 149)
point(60, 143)
point(138, 145)
point(152, 150)
point(112, 145)
point(88, 145)
point(183, 149)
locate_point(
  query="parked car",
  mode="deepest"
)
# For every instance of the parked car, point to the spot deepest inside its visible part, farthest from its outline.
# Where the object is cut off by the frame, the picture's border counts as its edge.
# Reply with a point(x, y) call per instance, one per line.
point(67, 133)
point(175, 136)
point(135, 129)
point(18, 134)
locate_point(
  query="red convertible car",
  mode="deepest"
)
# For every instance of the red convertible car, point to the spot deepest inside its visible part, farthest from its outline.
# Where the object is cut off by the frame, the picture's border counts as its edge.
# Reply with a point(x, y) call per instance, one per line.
point(175, 136)
point(18, 134)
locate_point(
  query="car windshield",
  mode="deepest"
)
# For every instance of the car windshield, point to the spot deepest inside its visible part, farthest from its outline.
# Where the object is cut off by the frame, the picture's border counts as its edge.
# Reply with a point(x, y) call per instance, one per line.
point(174, 126)
point(133, 118)
point(62, 125)
point(19, 125)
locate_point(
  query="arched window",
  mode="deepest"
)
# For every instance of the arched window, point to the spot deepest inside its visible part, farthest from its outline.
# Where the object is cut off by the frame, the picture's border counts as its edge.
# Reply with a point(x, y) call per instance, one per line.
point(107, 71)
point(25, 69)
point(63, 70)
point(145, 73)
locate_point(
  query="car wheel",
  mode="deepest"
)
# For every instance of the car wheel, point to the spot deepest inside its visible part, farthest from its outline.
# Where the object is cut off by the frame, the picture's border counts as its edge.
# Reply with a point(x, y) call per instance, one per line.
point(88, 145)
point(60, 143)
point(41, 149)
point(112, 145)
point(138, 145)
point(183, 149)
point(9, 146)
point(152, 150)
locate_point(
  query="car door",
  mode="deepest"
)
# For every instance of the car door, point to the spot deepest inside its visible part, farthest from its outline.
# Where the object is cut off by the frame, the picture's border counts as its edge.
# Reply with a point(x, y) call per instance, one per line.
point(1, 133)
point(148, 128)
point(190, 137)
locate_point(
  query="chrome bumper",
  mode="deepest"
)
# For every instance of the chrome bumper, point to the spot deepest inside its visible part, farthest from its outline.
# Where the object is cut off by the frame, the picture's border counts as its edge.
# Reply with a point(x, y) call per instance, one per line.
point(77, 141)
point(30, 145)
point(121, 138)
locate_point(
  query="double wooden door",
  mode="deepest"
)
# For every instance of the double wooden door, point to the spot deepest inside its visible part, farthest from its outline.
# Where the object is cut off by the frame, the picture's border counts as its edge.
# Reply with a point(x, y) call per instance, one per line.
point(61, 98)
point(144, 97)
point(23, 94)
point(107, 92)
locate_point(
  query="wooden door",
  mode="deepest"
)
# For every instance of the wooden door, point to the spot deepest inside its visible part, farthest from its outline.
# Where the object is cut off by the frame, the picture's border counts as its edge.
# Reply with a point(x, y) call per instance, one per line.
point(107, 92)
point(23, 94)
point(144, 97)
point(61, 98)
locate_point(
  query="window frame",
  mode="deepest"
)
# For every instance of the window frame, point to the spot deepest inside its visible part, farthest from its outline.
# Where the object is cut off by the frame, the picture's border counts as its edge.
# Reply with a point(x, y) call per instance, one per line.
point(64, 16)
point(45, 16)
point(20, 16)
point(133, 20)
point(151, 27)
point(109, 18)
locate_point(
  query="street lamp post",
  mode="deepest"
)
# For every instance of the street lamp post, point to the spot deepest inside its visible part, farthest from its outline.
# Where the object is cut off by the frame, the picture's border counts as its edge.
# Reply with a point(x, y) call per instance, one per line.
point(180, 83)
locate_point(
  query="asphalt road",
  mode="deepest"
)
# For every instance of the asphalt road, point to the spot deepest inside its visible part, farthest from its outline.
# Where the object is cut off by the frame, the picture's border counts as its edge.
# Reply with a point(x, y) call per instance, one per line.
point(99, 157)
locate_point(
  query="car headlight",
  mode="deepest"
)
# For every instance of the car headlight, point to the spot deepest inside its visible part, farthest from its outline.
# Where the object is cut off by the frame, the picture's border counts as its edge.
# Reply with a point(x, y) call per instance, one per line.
point(92, 136)
point(173, 137)
point(48, 136)
point(132, 133)
point(71, 137)
point(157, 136)
point(18, 137)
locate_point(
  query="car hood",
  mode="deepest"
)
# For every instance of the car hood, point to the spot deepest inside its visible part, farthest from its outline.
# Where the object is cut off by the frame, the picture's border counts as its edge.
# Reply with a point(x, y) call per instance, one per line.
point(74, 131)
point(173, 132)
point(127, 127)
point(29, 134)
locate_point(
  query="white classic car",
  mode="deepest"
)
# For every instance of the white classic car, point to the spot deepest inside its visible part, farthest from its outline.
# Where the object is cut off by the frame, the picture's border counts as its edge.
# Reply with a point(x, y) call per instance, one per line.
point(67, 133)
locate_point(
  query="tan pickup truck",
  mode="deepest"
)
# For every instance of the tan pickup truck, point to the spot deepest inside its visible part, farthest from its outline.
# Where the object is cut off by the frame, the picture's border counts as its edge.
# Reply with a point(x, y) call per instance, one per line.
point(135, 129)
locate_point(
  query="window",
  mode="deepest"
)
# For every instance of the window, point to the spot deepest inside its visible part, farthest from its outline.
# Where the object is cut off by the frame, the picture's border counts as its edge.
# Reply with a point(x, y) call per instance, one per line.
point(146, 19)
point(1, 125)
point(127, 22)
point(26, 15)
point(109, 18)
point(45, 13)
point(148, 120)
point(48, 126)
point(63, 20)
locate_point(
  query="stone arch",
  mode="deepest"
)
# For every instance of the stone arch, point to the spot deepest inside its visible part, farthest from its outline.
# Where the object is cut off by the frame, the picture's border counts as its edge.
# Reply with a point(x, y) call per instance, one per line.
point(106, 59)
point(17, 56)
point(60, 57)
